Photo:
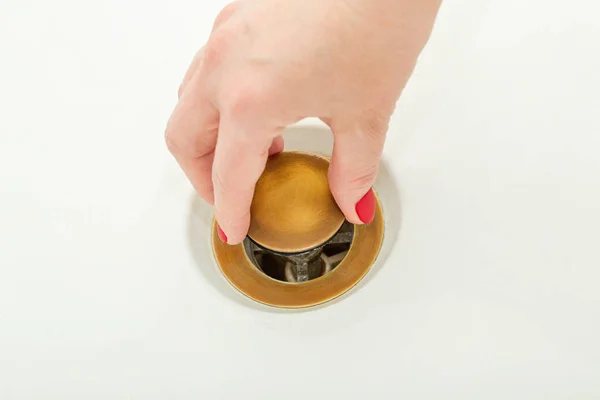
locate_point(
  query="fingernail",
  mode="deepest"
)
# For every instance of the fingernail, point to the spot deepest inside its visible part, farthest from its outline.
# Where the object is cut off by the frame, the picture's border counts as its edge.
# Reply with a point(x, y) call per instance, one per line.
point(222, 234)
point(365, 208)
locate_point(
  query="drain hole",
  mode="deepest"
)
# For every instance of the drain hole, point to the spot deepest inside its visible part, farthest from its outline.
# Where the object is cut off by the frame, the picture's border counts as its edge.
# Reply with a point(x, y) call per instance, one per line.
point(270, 264)
point(305, 266)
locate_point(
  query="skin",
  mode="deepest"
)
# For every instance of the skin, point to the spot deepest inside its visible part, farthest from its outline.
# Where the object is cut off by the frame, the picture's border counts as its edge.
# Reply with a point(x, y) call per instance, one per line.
point(271, 63)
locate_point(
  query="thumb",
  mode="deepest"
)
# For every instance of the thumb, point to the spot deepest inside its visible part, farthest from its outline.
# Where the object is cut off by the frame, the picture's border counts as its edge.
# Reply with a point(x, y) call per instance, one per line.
point(354, 164)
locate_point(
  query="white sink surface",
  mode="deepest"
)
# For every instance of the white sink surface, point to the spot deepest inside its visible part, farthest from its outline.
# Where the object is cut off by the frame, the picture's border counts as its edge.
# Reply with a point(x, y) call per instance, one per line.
point(490, 289)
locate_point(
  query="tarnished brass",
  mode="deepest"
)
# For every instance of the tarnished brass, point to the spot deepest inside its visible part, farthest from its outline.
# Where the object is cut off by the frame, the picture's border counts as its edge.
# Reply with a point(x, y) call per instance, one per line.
point(240, 271)
point(293, 209)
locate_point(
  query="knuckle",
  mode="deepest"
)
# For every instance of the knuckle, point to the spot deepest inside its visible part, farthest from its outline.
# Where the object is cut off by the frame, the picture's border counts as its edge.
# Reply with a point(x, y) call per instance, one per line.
point(194, 147)
point(375, 127)
point(180, 90)
point(234, 221)
point(352, 179)
point(364, 177)
point(226, 13)
point(211, 53)
point(218, 43)
point(171, 142)
point(249, 100)
point(220, 183)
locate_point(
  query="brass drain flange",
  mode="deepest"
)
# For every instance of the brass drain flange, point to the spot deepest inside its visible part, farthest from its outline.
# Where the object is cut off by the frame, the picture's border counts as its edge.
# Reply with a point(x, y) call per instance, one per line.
point(237, 263)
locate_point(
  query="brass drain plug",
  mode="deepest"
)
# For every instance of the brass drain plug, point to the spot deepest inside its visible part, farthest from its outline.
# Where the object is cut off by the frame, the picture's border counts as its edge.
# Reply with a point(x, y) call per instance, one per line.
point(300, 250)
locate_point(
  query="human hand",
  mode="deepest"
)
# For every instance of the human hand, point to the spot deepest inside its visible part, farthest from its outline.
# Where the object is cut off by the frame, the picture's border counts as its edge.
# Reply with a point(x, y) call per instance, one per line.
point(271, 63)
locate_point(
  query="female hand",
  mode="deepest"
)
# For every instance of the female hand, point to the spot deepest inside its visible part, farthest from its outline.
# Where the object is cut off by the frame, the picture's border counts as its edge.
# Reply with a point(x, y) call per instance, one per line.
point(271, 63)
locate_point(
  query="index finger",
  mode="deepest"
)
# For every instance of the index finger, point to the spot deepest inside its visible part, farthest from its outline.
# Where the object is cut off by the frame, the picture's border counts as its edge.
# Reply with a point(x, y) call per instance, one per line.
point(240, 159)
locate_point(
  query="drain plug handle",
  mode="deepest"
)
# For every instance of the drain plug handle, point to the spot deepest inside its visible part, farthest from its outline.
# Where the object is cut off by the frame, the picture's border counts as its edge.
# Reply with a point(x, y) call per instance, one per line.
point(297, 265)
point(301, 272)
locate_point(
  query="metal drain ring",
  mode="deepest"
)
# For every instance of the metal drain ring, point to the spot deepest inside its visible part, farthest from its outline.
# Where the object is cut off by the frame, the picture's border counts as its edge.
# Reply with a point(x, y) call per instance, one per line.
point(241, 272)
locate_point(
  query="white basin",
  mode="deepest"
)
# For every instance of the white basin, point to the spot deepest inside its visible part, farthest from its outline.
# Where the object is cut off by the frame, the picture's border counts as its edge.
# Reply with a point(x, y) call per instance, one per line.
point(487, 285)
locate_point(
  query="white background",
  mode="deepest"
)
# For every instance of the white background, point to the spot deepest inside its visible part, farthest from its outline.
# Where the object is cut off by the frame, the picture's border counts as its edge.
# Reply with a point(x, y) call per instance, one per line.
point(491, 288)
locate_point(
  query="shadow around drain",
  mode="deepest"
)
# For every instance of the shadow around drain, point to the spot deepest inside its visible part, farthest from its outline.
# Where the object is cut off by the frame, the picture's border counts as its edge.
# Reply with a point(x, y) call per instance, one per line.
point(310, 138)
point(199, 231)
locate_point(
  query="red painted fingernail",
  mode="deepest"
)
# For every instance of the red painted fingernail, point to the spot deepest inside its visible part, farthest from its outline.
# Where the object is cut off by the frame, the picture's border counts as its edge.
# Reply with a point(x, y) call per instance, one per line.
point(222, 234)
point(365, 208)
